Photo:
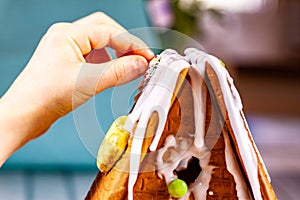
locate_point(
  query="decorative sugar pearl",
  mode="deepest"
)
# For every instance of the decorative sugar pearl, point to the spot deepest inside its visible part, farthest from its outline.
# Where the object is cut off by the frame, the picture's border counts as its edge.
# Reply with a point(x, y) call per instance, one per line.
point(177, 188)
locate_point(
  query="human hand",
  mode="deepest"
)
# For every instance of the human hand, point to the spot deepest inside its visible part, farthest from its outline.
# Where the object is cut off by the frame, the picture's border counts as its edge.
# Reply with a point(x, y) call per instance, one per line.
point(45, 90)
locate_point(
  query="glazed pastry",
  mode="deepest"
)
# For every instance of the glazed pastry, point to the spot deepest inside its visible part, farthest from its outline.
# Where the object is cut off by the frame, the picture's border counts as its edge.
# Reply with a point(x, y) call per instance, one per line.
point(187, 138)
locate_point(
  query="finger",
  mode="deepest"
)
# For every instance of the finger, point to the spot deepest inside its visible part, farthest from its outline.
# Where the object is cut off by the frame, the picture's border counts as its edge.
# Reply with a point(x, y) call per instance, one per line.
point(98, 56)
point(113, 73)
point(99, 18)
point(137, 47)
point(121, 71)
point(119, 54)
point(131, 45)
point(88, 37)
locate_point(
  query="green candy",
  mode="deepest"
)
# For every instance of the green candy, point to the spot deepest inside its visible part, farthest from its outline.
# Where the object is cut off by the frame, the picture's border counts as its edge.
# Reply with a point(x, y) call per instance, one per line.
point(222, 63)
point(177, 188)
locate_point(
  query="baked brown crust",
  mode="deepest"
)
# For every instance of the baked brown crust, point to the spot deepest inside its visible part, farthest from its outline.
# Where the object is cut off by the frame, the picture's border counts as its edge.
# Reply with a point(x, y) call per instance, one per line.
point(266, 187)
point(113, 185)
point(180, 121)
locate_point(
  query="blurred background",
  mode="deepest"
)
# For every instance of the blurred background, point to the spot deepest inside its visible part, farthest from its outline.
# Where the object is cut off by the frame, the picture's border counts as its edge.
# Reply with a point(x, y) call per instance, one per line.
point(259, 40)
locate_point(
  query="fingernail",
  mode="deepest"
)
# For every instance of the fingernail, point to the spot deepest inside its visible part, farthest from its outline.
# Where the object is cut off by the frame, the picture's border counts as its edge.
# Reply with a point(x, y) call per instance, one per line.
point(150, 52)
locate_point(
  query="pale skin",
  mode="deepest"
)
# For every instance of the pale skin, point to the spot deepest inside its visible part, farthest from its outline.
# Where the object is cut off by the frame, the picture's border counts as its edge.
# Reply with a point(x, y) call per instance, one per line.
point(49, 88)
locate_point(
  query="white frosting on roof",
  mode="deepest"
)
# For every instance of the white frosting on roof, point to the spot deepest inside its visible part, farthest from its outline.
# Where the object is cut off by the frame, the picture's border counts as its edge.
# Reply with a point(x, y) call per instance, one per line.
point(156, 97)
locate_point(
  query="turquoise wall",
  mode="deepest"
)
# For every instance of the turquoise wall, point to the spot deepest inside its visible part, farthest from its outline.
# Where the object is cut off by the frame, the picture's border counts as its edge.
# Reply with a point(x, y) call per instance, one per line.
point(22, 25)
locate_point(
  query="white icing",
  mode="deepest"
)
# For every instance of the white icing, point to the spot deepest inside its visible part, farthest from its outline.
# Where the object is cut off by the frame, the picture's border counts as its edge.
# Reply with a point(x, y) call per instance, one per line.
point(166, 169)
point(183, 164)
point(156, 97)
point(233, 168)
point(254, 145)
point(201, 185)
point(199, 95)
point(234, 107)
point(161, 87)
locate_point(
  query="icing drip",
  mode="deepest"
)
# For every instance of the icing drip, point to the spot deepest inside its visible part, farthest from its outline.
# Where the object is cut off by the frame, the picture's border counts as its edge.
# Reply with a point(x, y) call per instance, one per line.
point(232, 166)
point(166, 169)
point(156, 97)
point(199, 95)
point(183, 164)
point(161, 86)
point(234, 107)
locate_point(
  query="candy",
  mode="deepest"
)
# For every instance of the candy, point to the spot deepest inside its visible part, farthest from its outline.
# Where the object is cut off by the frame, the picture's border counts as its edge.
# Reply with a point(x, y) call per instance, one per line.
point(222, 63)
point(153, 65)
point(177, 188)
point(113, 145)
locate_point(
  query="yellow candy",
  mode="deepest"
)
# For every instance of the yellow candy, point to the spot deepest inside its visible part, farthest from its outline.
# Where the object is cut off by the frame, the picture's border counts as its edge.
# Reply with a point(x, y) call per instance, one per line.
point(113, 145)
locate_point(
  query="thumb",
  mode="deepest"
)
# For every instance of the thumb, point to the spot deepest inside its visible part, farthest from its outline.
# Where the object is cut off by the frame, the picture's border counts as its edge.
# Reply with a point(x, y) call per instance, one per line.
point(95, 78)
point(122, 70)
